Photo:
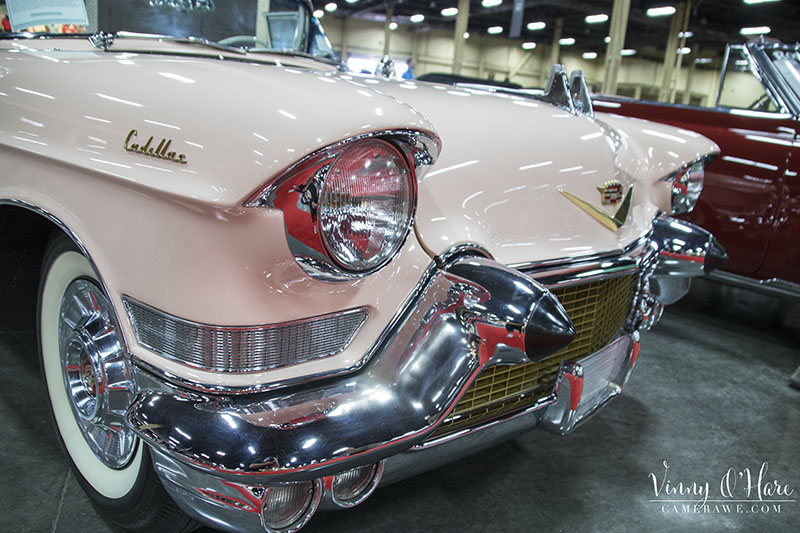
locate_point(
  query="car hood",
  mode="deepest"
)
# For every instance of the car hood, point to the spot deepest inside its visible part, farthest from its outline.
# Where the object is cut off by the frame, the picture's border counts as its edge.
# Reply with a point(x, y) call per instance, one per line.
point(505, 158)
point(236, 122)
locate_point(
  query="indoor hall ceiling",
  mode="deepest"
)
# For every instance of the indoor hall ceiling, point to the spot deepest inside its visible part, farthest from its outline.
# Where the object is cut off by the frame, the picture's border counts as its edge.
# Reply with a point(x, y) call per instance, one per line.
point(713, 22)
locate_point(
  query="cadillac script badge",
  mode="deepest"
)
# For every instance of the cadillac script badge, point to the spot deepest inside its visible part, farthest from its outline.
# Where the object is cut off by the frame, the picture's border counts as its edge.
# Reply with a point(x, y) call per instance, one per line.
point(611, 192)
point(150, 148)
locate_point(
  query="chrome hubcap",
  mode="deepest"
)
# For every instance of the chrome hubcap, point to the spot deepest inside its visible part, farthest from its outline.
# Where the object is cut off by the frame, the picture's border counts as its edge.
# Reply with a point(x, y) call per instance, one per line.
point(97, 375)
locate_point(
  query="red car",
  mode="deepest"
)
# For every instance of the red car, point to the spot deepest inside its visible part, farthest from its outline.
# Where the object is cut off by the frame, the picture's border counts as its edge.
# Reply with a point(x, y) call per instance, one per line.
point(751, 197)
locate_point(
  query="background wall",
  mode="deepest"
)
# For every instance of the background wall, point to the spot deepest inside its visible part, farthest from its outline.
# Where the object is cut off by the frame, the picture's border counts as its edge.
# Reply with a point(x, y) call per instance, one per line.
point(498, 58)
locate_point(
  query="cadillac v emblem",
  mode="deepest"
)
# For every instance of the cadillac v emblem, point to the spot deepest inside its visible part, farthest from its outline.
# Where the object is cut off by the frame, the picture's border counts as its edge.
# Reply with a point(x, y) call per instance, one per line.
point(612, 190)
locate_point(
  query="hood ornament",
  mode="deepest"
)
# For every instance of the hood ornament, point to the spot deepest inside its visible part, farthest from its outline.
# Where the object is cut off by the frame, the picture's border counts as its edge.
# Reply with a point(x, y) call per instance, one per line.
point(612, 190)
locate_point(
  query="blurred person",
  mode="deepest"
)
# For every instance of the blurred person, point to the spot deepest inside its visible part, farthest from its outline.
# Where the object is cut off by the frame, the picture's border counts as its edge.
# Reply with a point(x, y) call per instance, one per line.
point(409, 73)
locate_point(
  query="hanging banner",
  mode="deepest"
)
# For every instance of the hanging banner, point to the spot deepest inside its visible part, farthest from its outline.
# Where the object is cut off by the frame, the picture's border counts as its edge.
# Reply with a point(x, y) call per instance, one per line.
point(24, 14)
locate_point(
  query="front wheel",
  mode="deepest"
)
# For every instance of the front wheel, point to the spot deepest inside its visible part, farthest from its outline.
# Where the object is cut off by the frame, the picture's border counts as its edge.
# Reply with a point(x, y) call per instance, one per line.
point(90, 385)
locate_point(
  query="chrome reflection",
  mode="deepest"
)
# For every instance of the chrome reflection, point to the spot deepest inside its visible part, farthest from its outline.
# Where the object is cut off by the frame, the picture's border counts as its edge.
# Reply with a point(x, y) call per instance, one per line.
point(462, 318)
point(97, 373)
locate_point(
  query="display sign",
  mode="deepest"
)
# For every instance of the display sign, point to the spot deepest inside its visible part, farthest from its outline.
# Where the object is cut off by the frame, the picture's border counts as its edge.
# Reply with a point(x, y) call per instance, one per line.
point(24, 14)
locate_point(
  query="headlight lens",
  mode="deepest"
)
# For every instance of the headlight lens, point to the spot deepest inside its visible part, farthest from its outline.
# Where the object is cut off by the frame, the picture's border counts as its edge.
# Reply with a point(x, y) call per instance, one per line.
point(687, 184)
point(366, 205)
point(348, 208)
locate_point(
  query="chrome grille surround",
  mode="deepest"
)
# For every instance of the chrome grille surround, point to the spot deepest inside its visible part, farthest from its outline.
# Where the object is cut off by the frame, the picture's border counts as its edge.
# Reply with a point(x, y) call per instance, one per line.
point(605, 296)
point(243, 349)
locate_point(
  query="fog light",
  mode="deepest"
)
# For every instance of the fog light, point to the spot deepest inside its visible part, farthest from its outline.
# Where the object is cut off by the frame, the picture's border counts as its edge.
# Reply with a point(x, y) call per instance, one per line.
point(352, 487)
point(289, 507)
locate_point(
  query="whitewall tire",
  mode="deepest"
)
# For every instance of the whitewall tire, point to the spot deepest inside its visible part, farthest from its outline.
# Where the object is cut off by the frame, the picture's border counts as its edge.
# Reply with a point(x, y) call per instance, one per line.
point(90, 384)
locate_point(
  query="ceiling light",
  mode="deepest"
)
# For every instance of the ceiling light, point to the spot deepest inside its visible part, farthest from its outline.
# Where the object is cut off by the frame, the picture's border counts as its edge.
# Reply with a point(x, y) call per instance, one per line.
point(528, 46)
point(702, 61)
point(331, 7)
point(533, 26)
point(392, 26)
point(589, 55)
point(491, 3)
point(758, 1)
point(494, 30)
point(566, 41)
point(758, 30)
point(466, 35)
point(351, 1)
point(319, 13)
point(417, 18)
point(685, 35)
point(594, 19)
point(449, 12)
point(607, 39)
point(661, 11)
point(628, 52)
point(684, 51)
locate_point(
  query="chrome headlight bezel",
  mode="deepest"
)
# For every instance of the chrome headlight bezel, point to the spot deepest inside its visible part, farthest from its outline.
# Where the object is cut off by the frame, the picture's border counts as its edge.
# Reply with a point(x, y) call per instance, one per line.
point(298, 191)
point(686, 184)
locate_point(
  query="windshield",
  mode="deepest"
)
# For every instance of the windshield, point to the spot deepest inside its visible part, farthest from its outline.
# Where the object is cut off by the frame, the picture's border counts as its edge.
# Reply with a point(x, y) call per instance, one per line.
point(788, 64)
point(285, 26)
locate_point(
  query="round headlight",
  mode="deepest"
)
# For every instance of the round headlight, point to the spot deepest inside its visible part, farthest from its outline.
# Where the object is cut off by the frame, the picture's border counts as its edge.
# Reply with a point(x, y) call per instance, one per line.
point(366, 205)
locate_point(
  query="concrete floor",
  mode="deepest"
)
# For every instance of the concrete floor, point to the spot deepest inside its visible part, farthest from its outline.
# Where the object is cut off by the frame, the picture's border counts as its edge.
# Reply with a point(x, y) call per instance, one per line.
point(710, 393)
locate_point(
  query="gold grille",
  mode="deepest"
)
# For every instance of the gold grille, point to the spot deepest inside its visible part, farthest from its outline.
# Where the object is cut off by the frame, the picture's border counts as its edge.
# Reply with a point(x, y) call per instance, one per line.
point(598, 310)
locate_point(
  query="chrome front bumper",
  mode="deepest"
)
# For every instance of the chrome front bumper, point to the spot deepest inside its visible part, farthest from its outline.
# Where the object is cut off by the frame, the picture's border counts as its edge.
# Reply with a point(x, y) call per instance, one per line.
point(219, 455)
point(581, 390)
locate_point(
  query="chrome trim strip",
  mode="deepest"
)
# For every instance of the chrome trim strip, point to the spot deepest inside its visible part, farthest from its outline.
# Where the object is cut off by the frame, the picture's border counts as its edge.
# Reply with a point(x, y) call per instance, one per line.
point(771, 287)
point(243, 349)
